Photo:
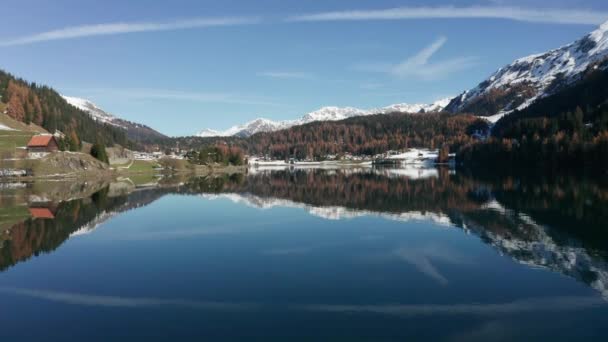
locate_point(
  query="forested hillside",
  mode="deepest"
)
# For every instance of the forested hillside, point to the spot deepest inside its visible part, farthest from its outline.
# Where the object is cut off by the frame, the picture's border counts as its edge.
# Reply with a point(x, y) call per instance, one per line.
point(32, 103)
point(566, 129)
point(367, 135)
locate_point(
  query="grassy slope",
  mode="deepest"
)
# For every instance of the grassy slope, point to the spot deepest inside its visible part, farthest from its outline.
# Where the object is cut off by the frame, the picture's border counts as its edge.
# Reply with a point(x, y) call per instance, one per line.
point(11, 140)
point(20, 126)
point(143, 166)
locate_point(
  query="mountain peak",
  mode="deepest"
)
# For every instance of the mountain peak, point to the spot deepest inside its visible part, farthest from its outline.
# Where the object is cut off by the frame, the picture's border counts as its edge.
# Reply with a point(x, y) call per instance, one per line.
point(328, 113)
point(520, 83)
point(134, 130)
point(94, 111)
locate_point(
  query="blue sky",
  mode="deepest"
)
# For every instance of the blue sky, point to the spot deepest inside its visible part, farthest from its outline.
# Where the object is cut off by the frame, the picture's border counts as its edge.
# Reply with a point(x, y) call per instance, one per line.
point(181, 66)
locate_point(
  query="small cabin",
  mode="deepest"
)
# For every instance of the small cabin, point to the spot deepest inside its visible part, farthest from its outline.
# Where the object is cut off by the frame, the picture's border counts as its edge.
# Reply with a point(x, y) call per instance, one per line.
point(42, 144)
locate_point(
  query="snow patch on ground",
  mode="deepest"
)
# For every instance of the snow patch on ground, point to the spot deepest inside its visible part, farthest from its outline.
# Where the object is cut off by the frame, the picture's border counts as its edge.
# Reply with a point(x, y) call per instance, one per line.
point(6, 128)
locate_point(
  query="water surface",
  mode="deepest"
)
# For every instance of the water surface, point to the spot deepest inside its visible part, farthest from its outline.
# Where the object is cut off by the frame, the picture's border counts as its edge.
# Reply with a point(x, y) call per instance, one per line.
point(312, 254)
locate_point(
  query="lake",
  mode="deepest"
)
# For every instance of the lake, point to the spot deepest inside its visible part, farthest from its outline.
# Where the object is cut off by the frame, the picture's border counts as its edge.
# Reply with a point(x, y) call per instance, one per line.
point(365, 254)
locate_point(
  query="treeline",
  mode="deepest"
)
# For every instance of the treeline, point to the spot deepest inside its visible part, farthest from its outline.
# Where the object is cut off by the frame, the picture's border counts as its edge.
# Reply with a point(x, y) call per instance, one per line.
point(560, 201)
point(567, 130)
point(43, 106)
point(197, 143)
point(217, 154)
point(365, 135)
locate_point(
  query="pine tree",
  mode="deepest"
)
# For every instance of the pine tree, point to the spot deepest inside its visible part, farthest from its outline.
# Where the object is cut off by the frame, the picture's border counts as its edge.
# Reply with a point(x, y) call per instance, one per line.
point(98, 150)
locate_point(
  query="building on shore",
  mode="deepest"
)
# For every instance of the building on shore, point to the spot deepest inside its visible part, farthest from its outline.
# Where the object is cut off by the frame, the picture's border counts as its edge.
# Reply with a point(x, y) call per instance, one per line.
point(40, 145)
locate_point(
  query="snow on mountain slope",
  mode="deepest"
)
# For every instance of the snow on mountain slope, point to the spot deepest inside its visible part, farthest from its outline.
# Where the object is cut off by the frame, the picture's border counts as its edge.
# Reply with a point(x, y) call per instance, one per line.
point(327, 212)
point(322, 114)
point(518, 84)
point(96, 113)
point(134, 130)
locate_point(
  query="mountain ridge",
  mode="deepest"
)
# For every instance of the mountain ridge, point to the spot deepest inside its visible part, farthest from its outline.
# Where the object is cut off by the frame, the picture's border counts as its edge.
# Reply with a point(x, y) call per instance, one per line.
point(520, 83)
point(135, 131)
point(328, 113)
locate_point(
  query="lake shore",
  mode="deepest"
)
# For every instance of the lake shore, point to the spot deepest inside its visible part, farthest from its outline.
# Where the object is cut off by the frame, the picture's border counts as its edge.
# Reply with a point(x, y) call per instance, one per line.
point(80, 166)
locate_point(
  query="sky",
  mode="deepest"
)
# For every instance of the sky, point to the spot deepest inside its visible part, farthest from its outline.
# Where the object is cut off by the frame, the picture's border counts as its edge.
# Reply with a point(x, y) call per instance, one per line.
point(183, 65)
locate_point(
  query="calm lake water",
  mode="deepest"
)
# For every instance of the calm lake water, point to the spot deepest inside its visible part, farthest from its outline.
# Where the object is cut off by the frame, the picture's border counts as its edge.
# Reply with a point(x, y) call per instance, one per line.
point(379, 254)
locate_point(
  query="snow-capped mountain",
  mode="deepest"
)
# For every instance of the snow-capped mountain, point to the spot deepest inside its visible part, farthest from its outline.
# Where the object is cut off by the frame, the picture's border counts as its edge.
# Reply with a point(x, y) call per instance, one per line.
point(249, 128)
point(531, 244)
point(134, 130)
point(535, 245)
point(95, 112)
point(518, 84)
point(323, 114)
point(327, 212)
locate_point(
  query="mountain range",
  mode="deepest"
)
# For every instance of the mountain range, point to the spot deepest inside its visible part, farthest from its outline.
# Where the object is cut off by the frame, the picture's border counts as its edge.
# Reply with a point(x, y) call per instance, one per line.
point(514, 86)
point(527, 79)
point(323, 114)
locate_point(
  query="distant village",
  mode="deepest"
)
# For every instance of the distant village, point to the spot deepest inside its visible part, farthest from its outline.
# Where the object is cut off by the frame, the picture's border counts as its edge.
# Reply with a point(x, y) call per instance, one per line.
point(43, 144)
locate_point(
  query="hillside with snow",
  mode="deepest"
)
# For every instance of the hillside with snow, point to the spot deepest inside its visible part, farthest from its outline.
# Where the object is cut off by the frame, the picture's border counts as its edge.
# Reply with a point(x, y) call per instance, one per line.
point(134, 130)
point(322, 114)
point(520, 83)
point(95, 112)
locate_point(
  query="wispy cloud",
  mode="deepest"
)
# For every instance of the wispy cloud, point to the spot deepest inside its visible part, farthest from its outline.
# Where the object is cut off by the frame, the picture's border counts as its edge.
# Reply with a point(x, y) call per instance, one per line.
point(540, 15)
point(546, 304)
point(121, 28)
point(124, 302)
point(420, 66)
point(530, 305)
point(421, 257)
point(287, 75)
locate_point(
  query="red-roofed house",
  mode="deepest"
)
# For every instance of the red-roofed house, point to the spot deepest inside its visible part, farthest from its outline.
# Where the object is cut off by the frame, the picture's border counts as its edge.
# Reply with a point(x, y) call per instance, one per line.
point(42, 144)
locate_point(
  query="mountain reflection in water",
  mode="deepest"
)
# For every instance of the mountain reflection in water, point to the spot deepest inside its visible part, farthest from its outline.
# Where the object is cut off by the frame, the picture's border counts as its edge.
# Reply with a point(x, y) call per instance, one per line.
point(558, 223)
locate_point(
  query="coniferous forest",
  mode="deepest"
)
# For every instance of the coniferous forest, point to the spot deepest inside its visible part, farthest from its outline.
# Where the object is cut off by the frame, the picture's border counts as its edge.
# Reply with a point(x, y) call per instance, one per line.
point(43, 106)
point(566, 130)
point(366, 135)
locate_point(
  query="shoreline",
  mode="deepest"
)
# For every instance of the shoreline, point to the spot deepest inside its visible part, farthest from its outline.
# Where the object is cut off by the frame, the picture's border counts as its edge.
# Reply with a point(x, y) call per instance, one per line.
point(110, 174)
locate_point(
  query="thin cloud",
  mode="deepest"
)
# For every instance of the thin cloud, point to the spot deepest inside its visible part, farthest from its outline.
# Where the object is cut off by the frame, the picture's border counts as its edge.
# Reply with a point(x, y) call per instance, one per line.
point(287, 75)
point(421, 258)
point(419, 65)
point(545, 15)
point(546, 304)
point(522, 306)
point(422, 57)
point(121, 28)
point(530, 305)
point(124, 302)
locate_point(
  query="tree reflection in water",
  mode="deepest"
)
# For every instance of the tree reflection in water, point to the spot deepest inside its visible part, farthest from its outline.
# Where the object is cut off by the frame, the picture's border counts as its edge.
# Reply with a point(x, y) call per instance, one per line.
point(557, 222)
